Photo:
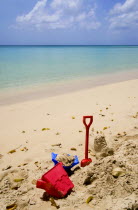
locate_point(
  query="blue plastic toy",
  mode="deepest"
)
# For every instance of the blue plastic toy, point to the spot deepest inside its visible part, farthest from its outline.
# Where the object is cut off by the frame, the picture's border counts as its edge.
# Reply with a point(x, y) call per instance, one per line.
point(76, 161)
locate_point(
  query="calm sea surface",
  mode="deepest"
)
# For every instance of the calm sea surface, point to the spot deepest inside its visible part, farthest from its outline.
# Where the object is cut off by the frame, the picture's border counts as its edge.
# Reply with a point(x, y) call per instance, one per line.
point(32, 66)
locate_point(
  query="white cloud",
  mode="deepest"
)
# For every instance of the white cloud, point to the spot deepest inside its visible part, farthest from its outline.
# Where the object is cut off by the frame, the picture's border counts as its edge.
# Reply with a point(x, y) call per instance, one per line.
point(60, 14)
point(81, 16)
point(32, 14)
point(125, 20)
point(84, 20)
point(124, 15)
point(128, 6)
point(65, 3)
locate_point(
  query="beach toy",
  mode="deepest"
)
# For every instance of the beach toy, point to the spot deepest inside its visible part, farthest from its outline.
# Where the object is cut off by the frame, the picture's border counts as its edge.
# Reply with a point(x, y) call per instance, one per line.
point(87, 160)
point(67, 168)
point(56, 182)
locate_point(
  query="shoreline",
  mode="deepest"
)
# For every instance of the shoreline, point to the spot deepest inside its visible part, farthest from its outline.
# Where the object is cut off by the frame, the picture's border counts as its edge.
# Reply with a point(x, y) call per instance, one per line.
point(10, 97)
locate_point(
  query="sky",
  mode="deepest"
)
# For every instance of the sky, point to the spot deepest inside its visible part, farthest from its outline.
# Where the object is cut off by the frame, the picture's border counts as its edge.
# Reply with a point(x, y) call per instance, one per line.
point(68, 22)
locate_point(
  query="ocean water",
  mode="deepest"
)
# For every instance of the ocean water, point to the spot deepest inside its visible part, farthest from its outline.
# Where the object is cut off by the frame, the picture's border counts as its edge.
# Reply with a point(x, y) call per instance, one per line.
point(33, 66)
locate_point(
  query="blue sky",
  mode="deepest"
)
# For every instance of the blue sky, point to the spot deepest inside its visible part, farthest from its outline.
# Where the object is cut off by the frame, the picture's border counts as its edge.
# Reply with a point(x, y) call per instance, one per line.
point(69, 22)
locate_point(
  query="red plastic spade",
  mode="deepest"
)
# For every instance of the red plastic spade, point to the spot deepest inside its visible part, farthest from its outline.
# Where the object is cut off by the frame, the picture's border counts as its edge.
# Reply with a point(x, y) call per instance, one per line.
point(87, 160)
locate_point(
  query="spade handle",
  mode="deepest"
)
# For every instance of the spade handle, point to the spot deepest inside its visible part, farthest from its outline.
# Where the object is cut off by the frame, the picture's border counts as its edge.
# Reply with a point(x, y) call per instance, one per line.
point(87, 126)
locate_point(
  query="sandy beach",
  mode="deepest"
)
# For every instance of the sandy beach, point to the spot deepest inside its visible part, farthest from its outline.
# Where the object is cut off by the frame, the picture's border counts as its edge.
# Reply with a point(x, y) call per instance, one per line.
point(26, 147)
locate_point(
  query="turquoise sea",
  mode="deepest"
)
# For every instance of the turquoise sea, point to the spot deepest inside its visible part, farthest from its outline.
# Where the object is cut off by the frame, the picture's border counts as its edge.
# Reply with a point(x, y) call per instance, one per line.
point(32, 66)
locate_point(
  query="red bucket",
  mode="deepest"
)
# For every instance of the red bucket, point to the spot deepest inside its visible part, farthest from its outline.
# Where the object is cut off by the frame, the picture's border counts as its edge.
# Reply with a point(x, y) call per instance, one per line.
point(56, 182)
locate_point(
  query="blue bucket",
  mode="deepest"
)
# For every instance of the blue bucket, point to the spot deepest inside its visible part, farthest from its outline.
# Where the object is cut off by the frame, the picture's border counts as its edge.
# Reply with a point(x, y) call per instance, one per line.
point(76, 161)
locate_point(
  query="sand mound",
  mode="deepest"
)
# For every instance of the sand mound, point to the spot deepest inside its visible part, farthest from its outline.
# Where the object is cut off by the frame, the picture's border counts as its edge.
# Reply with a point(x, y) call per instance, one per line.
point(101, 148)
point(67, 160)
point(99, 143)
point(111, 181)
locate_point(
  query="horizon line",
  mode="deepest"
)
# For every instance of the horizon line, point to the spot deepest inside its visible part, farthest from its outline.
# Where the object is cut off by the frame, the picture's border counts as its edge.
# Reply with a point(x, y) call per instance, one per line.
point(68, 45)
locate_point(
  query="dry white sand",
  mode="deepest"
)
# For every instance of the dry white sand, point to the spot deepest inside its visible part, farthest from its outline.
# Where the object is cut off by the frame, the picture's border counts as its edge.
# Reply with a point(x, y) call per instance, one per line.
point(115, 111)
